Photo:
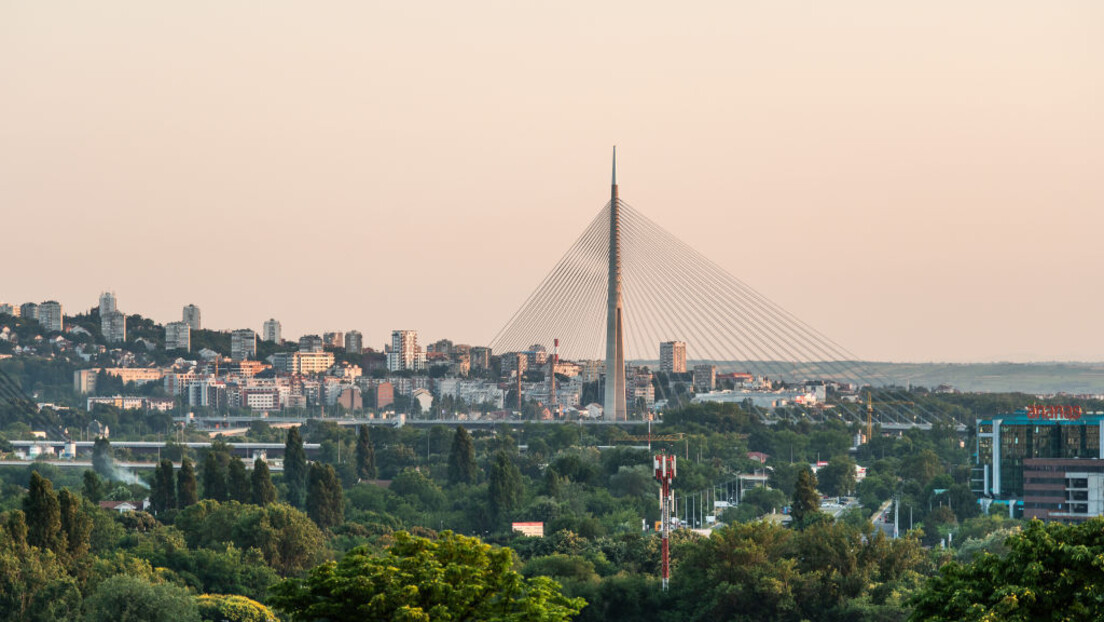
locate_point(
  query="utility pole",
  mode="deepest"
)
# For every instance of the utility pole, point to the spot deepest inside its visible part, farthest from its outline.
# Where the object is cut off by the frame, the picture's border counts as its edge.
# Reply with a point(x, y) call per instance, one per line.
point(897, 513)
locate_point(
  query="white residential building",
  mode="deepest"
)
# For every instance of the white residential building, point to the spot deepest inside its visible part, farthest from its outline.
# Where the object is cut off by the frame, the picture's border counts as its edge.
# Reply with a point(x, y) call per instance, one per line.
point(405, 353)
point(191, 317)
point(243, 344)
point(50, 316)
point(178, 336)
point(113, 326)
point(271, 331)
point(107, 303)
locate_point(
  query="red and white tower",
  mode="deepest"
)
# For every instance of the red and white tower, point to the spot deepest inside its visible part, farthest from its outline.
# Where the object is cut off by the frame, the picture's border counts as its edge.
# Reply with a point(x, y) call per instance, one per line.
point(665, 473)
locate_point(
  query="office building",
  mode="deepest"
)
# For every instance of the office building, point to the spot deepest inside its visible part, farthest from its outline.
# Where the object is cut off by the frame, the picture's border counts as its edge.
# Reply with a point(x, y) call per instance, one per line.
point(271, 331)
point(107, 303)
point(191, 317)
point(672, 357)
point(1005, 442)
point(50, 316)
point(354, 342)
point(243, 344)
point(113, 326)
point(405, 353)
point(1067, 490)
point(178, 336)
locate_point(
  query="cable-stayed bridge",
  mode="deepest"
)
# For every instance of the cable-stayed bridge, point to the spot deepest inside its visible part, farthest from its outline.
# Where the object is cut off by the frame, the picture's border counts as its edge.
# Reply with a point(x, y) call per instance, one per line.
point(627, 284)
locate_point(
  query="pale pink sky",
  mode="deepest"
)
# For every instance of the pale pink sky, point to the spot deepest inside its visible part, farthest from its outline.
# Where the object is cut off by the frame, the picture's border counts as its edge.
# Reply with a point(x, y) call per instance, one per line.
point(918, 180)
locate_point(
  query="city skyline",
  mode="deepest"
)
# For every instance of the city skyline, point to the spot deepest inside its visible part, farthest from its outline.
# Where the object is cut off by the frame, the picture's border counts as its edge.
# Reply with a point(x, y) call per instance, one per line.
point(918, 187)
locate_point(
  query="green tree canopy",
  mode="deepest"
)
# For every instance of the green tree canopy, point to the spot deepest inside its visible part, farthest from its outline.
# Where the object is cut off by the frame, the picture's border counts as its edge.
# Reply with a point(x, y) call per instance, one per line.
point(418, 580)
point(461, 464)
point(325, 503)
point(186, 485)
point(838, 478)
point(506, 487)
point(295, 468)
point(1051, 572)
point(262, 491)
point(162, 487)
point(134, 599)
point(365, 455)
point(43, 514)
point(232, 608)
point(237, 481)
point(806, 501)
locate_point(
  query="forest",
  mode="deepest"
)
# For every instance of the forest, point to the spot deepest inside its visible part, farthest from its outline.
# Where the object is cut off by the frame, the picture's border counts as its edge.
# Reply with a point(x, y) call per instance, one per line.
point(415, 523)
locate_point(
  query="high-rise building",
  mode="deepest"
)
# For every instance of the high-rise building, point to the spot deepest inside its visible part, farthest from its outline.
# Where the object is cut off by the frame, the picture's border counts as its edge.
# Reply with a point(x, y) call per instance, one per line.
point(243, 344)
point(113, 326)
point(333, 340)
point(310, 343)
point(480, 358)
point(7, 309)
point(191, 317)
point(29, 311)
point(405, 353)
point(705, 378)
point(354, 342)
point(107, 303)
point(672, 357)
point(441, 346)
point(271, 331)
point(50, 316)
point(178, 336)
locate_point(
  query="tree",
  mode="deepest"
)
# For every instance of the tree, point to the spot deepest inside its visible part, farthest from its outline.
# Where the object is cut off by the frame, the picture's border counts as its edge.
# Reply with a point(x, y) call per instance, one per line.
point(92, 488)
point(295, 468)
point(505, 485)
point(163, 488)
point(262, 491)
point(233, 608)
point(365, 455)
point(103, 458)
point(43, 514)
point(806, 501)
point(186, 485)
point(325, 503)
point(453, 578)
point(134, 599)
point(237, 482)
point(838, 478)
point(76, 525)
point(461, 464)
point(214, 478)
point(1051, 571)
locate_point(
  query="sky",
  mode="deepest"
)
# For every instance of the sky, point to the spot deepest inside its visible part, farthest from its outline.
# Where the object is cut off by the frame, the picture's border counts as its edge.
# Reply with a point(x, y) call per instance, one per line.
point(920, 181)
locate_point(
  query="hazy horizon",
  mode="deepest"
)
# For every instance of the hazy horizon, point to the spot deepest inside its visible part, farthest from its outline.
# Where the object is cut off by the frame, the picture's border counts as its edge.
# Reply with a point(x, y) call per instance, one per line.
point(917, 181)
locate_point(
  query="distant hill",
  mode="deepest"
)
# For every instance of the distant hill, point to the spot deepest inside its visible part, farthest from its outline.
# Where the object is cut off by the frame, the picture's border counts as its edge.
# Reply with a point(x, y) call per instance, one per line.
point(1038, 378)
point(999, 377)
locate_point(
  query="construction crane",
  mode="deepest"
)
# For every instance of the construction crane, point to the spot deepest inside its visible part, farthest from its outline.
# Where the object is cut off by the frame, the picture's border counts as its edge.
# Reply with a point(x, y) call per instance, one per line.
point(870, 413)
